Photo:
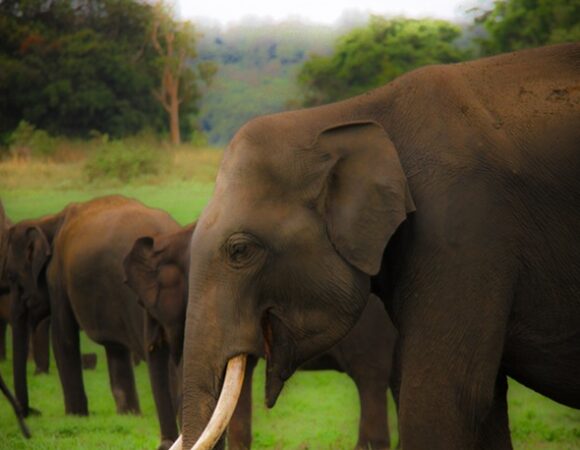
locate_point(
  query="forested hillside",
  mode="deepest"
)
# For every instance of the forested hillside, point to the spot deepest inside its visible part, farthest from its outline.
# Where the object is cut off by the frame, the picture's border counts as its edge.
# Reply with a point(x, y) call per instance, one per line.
point(257, 66)
point(88, 68)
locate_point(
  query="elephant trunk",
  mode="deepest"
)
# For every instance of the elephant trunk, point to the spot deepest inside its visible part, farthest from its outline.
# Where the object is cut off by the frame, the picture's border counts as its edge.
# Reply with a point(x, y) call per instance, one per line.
point(217, 334)
point(226, 404)
point(19, 319)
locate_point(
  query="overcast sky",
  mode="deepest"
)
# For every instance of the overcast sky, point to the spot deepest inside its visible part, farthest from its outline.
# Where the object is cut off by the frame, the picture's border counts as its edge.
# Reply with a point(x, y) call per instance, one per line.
point(230, 11)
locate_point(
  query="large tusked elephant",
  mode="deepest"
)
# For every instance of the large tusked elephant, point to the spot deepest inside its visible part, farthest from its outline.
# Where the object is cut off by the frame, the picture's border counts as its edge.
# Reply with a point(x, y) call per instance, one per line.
point(157, 268)
point(454, 193)
point(69, 266)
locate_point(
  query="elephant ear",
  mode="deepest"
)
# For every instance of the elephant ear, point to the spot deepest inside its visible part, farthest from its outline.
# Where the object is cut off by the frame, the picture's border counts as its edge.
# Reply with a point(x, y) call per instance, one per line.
point(366, 195)
point(38, 252)
point(141, 265)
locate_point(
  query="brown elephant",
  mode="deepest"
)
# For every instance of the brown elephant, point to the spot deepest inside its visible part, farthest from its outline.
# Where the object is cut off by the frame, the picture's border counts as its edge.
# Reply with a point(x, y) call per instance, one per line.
point(453, 193)
point(69, 266)
point(157, 270)
point(4, 290)
point(40, 338)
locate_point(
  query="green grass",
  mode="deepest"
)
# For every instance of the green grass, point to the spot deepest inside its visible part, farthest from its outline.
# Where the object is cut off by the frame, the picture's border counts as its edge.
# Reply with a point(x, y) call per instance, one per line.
point(183, 200)
point(317, 410)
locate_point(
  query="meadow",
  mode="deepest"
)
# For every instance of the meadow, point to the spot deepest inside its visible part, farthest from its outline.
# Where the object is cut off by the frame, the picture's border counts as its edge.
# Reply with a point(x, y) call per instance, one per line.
point(317, 410)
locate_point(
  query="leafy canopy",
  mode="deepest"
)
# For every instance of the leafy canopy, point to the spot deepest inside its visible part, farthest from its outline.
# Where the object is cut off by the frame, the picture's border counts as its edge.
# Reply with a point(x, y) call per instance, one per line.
point(370, 56)
point(517, 24)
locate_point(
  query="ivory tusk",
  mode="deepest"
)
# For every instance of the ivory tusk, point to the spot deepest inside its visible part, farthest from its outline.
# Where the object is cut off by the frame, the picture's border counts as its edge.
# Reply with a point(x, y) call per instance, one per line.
point(177, 444)
point(225, 407)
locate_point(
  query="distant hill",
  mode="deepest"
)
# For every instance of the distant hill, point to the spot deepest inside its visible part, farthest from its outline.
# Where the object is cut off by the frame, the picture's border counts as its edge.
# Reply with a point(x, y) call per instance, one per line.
point(257, 65)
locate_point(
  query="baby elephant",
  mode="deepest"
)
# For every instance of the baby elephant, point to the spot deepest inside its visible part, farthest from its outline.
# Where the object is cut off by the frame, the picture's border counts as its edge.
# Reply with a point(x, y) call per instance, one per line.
point(157, 270)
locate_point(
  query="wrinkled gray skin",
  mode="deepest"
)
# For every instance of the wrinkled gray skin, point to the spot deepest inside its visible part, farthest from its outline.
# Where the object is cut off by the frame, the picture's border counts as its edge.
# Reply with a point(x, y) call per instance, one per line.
point(69, 266)
point(157, 268)
point(454, 192)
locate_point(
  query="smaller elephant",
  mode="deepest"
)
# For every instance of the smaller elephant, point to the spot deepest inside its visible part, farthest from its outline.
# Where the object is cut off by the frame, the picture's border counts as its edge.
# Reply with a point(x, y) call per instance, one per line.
point(40, 336)
point(157, 270)
point(68, 266)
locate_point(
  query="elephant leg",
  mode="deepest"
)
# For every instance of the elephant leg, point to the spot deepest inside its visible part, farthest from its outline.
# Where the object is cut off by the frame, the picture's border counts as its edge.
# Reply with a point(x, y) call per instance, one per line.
point(122, 379)
point(3, 326)
point(451, 341)
point(41, 345)
point(16, 407)
point(239, 433)
point(158, 365)
point(495, 430)
point(67, 353)
point(373, 425)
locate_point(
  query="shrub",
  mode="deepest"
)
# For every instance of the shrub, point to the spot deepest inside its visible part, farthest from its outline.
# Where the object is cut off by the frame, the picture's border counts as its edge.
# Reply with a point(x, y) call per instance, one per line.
point(125, 160)
point(26, 141)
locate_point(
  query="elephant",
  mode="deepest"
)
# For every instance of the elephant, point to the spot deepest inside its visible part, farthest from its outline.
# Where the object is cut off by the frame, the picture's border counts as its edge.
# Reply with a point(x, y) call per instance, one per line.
point(157, 268)
point(40, 338)
point(69, 266)
point(453, 194)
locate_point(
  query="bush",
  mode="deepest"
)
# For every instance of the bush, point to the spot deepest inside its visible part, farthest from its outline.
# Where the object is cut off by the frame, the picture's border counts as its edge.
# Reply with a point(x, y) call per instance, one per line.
point(26, 141)
point(125, 160)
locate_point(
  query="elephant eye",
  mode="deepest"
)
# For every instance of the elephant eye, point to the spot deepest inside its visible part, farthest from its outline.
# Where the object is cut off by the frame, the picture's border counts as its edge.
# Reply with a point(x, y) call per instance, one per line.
point(241, 249)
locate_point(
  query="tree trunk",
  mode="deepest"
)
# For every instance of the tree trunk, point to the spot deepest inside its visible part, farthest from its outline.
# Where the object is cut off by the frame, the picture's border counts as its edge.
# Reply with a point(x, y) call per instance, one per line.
point(174, 119)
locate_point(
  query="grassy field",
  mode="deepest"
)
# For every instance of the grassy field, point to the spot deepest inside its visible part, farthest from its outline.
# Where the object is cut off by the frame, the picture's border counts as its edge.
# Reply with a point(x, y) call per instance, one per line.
point(317, 410)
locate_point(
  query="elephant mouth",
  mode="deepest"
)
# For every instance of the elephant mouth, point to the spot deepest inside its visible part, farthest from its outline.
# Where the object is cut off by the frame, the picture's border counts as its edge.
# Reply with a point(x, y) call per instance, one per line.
point(280, 353)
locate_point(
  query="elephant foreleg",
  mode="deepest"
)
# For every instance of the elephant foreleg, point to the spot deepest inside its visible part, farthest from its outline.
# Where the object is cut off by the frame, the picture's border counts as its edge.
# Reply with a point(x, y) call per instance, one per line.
point(158, 364)
point(3, 326)
point(67, 353)
point(16, 407)
point(122, 379)
point(41, 345)
point(495, 430)
point(451, 341)
point(239, 432)
point(373, 424)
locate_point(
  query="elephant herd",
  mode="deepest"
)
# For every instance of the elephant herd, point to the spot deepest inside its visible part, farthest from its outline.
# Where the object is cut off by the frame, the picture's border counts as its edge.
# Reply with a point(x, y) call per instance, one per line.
point(118, 270)
point(447, 202)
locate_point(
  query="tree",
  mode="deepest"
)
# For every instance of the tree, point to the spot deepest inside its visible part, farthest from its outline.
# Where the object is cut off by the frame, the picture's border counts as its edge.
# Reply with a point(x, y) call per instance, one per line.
point(73, 67)
point(175, 45)
point(370, 56)
point(516, 24)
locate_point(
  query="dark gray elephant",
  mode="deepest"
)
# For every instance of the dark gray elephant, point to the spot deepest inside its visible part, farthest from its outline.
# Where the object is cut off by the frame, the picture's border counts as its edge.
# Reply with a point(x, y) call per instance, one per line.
point(157, 270)
point(69, 266)
point(453, 193)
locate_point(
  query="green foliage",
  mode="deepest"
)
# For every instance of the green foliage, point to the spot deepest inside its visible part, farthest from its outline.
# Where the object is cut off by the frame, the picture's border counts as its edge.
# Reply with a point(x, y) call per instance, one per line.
point(126, 160)
point(175, 45)
point(370, 56)
point(69, 68)
point(26, 141)
point(517, 24)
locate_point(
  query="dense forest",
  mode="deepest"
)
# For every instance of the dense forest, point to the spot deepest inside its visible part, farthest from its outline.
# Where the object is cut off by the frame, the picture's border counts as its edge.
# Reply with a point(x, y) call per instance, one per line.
point(91, 66)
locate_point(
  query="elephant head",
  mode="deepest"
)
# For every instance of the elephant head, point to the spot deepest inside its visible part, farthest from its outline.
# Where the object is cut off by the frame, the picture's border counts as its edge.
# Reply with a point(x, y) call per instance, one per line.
point(29, 249)
point(156, 268)
point(302, 211)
